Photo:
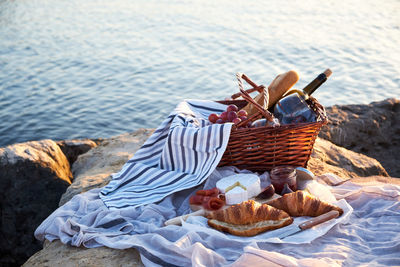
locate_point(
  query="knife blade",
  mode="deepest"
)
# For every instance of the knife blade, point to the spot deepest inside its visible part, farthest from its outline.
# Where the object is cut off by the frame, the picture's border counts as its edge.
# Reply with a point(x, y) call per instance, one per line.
point(310, 223)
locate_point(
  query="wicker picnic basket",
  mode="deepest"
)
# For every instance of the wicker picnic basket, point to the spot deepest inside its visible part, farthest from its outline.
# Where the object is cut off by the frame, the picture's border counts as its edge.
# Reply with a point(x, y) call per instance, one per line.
point(262, 148)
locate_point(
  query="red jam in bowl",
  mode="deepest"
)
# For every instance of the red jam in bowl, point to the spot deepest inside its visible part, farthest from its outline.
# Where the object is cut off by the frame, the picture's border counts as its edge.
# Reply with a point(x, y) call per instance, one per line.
point(282, 175)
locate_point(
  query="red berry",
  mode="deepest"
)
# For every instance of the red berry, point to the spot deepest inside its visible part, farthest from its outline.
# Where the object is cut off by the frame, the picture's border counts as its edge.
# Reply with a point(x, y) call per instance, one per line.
point(242, 112)
point(213, 118)
point(236, 120)
point(232, 115)
point(220, 121)
point(232, 107)
point(224, 116)
point(243, 118)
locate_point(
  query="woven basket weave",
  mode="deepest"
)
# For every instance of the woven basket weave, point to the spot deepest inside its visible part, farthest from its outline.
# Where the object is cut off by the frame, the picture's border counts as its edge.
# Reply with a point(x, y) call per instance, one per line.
point(262, 148)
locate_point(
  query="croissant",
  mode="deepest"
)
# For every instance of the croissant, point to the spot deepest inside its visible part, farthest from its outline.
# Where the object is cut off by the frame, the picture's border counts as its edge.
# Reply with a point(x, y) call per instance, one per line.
point(301, 203)
point(248, 218)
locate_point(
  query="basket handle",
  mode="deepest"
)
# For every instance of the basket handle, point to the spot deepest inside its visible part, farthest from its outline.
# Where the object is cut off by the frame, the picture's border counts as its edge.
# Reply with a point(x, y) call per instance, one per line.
point(249, 99)
point(256, 87)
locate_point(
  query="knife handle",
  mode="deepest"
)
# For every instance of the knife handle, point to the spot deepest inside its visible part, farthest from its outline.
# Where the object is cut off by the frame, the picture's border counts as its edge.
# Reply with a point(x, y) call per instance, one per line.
point(320, 219)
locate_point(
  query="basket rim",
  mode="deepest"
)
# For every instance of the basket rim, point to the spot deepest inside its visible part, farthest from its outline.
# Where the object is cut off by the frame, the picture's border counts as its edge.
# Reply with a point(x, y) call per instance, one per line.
point(318, 108)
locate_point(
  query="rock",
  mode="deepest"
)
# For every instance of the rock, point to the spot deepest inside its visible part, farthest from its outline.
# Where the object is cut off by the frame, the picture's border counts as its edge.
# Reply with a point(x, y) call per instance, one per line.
point(373, 130)
point(33, 177)
point(62, 255)
point(73, 148)
point(330, 158)
point(93, 169)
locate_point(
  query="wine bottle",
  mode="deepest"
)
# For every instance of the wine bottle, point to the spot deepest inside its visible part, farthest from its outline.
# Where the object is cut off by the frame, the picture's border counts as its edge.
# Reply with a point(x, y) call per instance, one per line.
point(293, 108)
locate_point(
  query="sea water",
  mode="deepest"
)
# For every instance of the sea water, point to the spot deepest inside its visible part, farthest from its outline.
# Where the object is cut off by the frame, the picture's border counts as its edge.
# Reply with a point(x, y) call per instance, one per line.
point(77, 69)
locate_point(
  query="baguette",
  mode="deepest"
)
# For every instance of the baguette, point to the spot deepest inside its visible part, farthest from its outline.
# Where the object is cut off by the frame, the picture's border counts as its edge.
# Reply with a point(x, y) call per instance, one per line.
point(301, 203)
point(278, 87)
point(248, 218)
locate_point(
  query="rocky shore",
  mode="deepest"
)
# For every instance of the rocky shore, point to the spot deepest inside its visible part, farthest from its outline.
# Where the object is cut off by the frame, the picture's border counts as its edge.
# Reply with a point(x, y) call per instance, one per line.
point(38, 176)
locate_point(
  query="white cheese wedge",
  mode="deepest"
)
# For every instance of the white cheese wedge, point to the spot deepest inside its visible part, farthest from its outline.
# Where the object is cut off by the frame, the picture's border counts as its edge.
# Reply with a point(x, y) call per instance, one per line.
point(247, 182)
point(236, 195)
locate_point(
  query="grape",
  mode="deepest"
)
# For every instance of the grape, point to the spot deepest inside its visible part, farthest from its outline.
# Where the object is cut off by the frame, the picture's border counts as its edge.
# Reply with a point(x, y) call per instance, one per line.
point(241, 113)
point(232, 107)
point(236, 120)
point(224, 116)
point(213, 118)
point(232, 115)
point(243, 118)
point(220, 121)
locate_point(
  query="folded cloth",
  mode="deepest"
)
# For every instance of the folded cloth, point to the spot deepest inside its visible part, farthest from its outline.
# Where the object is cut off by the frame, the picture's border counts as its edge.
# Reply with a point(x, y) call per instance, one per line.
point(182, 152)
point(257, 257)
point(370, 237)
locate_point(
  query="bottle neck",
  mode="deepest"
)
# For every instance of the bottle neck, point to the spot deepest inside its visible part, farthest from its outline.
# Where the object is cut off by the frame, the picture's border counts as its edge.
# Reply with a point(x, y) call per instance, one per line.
point(317, 82)
point(312, 86)
point(296, 91)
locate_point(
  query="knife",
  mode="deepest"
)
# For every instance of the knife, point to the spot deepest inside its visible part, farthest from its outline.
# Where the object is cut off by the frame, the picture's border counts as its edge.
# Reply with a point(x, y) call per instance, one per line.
point(310, 223)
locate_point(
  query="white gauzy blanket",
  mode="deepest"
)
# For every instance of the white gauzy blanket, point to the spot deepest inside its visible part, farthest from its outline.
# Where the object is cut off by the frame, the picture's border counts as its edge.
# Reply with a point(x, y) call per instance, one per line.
point(180, 158)
point(370, 236)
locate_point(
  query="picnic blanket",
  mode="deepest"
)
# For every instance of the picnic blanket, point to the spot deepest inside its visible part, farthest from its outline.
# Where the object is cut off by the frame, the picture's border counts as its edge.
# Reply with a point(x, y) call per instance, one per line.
point(181, 157)
point(370, 235)
point(181, 153)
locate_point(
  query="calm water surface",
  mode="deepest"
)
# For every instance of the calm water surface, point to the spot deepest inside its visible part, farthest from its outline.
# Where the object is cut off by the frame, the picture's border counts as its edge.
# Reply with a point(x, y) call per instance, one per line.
point(75, 69)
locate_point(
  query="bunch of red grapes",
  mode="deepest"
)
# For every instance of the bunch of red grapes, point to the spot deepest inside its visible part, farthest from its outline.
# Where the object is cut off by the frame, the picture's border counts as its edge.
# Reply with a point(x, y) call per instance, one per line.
point(232, 114)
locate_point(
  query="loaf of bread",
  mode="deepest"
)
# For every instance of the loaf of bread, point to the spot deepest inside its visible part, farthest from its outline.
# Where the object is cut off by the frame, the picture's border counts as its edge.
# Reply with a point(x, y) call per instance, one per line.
point(301, 203)
point(278, 87)
point(248, 218)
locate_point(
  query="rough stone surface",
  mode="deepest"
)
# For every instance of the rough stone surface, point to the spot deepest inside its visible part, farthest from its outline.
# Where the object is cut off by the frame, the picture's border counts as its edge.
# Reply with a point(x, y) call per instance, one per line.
point(330, 158)
point(33, 176)
point(93, 169)
point(67, 256)
point(73, 148)
point(373, 130)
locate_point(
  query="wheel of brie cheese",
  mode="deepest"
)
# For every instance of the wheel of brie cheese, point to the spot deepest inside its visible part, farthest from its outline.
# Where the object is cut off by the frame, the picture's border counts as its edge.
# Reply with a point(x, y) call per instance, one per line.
point(239, 187)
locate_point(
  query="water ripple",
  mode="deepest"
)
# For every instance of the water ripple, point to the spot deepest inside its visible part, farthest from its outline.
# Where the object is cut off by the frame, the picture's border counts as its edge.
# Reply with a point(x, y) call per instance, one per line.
point(74, 69)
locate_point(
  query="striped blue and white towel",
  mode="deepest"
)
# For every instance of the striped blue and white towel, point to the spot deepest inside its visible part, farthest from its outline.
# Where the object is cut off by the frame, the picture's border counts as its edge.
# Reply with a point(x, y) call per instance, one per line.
point(182, 152)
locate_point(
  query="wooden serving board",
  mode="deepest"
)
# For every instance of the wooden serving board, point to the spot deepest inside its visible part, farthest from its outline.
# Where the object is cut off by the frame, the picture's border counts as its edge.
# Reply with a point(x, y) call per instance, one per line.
point(198, 210)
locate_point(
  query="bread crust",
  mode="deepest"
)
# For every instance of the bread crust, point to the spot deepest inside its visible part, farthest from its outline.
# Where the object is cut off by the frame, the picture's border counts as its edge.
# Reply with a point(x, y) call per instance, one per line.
point(252, 229)
point(248, 218)
point(302, 203)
